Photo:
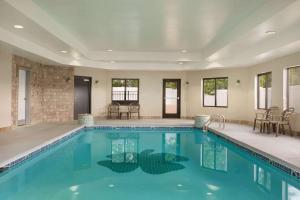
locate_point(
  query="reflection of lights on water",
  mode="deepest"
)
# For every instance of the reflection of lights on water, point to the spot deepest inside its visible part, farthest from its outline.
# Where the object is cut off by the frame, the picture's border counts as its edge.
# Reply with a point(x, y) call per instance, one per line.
point(74, 188)
point(179, 185)
point(76, 193)
point(209, 193)
point(213, 187)
point(111, 185)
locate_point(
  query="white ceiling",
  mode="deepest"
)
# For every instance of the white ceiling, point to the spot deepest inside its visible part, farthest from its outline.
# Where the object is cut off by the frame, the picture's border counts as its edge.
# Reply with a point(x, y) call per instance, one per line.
point(150, 35)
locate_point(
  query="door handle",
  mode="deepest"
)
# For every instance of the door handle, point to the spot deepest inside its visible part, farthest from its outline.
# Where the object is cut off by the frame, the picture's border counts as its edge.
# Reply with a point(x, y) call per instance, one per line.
point(178, 98)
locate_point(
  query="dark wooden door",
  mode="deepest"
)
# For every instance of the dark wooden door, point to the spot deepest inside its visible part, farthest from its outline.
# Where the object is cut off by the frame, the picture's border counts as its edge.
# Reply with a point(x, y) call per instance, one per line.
point(82, 95)
point(171, 98)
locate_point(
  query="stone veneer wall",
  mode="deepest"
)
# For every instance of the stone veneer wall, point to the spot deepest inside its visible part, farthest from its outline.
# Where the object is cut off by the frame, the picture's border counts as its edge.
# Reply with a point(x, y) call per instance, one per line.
point(51, 91)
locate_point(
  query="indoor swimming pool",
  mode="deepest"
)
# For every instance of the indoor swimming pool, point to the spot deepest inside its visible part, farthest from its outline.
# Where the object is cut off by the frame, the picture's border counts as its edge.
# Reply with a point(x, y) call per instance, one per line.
point(146, 163)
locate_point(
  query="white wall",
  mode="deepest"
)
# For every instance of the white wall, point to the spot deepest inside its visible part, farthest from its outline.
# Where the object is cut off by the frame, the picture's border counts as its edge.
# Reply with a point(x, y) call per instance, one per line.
point(151, 83)
point(241, 101)
point(276, 67)
point(237, 94)
point(241, 97)
point(150, 94)
point(5, 88)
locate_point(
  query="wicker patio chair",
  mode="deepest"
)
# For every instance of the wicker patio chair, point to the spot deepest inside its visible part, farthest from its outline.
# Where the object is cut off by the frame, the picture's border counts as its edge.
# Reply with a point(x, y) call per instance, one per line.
point(134, 108)
point(263, 118)
point(280, 121)
point(113, 108)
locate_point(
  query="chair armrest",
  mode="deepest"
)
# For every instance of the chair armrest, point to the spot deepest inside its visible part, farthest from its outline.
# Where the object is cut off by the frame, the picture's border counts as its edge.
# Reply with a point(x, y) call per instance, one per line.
point(260, 115)
point(276, 117)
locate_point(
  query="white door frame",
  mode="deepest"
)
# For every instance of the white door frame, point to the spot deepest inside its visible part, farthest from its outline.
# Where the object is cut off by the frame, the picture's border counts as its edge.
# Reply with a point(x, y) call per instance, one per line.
point(23, 94)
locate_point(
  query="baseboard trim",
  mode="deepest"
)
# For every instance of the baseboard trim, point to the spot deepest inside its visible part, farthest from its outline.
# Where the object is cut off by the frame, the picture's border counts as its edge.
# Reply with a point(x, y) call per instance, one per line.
point(2, 129)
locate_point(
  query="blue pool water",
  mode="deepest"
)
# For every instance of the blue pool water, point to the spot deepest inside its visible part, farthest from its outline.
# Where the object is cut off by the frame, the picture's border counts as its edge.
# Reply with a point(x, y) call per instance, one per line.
point(149, 164)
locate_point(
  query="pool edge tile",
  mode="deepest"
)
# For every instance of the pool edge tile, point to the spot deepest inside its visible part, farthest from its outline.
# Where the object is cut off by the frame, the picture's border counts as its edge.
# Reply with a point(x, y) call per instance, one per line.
point(272, 160)
point(278, 163)
point(20, 158)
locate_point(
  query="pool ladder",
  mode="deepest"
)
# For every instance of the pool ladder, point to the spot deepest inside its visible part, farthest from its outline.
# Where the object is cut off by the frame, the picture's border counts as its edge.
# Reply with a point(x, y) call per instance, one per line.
point(219, 118)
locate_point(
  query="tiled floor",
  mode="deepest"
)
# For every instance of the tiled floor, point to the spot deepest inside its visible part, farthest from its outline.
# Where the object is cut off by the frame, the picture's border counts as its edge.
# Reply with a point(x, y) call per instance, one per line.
point(284, 149)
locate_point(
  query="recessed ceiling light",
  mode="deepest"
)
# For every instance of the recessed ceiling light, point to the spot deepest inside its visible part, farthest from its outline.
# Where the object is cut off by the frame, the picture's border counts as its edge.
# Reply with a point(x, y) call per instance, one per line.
point(270, 32)
point(17, 26)
point(109, 50)
point(63, 51)
point(112, 61)
point(184, 51)
point(180, 63)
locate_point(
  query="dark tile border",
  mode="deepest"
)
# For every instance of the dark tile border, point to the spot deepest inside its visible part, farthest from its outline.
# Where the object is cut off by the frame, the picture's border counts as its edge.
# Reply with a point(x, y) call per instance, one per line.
point(142, 128)
point(75, 132)
point(277, 165)
point(40, 150)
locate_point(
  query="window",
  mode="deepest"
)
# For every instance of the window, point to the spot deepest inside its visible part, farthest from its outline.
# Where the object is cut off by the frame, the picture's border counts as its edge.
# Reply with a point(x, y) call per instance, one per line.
point(293, 88)
point(262, 177)
point(125, 91)
point(124, 150)
point(213, 156)
point(289, 192)
point(264, 90)
point(171, 147)
point(215, 92)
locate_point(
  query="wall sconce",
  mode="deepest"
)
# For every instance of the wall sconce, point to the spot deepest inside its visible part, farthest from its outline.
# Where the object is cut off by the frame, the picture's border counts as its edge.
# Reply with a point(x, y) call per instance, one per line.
point(238, 82)
point(187, 83)
point(96, 82)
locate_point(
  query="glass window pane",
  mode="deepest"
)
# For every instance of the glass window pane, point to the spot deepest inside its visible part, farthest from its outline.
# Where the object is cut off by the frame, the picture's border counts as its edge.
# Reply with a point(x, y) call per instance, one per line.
point(221, 157)
point(117, 151)
point(132, 89)
point(214, 156)
point(294, 88)
point(209, 89)
point(131, 150)
point(262, 91)
point(269, 89)
point(171, 97)
point(208, 155)
point(170, 146)
point(222, 91)
point(293, 193)
point(118, 90)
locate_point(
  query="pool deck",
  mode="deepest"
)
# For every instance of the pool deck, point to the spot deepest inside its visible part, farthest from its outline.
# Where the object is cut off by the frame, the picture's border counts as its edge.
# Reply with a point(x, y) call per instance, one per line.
point(282, 149)
point(21, 140)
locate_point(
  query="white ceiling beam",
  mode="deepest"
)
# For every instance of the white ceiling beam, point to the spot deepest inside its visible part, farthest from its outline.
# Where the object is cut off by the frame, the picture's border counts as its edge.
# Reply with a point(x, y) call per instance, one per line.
point(37, 15)
point(145, 56)
point(16, 41)
point(228, 36)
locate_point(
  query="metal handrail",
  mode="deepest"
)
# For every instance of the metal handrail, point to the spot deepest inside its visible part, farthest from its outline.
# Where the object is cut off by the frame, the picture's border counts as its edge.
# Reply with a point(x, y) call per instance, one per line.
point(220, 119)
